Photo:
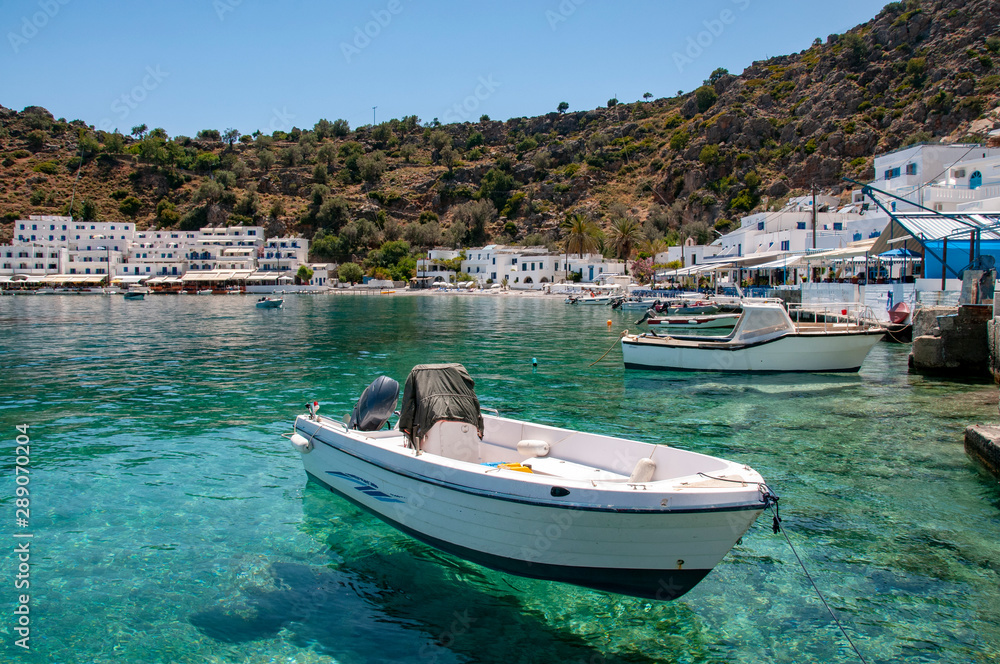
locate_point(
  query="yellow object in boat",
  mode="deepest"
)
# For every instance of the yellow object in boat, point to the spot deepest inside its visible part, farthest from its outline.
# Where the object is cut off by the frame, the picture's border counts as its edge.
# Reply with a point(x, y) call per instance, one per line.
point(519, 467)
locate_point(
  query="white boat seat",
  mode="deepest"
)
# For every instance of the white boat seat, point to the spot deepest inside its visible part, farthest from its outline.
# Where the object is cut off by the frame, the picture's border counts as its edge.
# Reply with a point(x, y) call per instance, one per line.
point(571, 471)
point(453, 440)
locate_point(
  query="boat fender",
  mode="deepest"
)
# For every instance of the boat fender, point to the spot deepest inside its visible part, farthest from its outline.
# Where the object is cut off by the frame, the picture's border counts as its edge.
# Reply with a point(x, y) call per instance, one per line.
point(301, 443)
point(643, 471)
point(533, 448)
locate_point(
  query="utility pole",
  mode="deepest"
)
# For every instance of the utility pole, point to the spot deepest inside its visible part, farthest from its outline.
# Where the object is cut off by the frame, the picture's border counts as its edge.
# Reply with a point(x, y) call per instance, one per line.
point(814, 215)
point(373, 115)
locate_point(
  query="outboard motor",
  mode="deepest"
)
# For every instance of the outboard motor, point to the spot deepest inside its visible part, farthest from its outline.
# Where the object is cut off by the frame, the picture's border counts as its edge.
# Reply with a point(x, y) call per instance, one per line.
point(376, 405)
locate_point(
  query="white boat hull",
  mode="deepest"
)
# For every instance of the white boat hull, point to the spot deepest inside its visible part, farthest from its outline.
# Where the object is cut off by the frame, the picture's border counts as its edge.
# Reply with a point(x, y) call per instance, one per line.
point(794, 352)
point(644, 548)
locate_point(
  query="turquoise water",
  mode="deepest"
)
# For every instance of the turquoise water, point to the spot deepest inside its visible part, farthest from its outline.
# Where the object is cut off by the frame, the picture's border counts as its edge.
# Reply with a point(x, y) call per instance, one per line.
point(173, 523)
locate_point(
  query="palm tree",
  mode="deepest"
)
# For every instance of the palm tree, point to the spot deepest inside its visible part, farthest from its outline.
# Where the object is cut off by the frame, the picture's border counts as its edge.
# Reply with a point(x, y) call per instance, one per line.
point(625, 235)
point(653, 247)
point(582, 236)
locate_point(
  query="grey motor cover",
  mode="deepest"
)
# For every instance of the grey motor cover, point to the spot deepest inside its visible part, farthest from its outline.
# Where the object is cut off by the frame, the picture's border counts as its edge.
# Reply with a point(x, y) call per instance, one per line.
point(435, 392)
point(376, 405)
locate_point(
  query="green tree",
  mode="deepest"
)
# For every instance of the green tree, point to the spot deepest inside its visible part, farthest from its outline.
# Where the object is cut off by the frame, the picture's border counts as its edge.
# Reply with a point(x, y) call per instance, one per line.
point(582, 235)
point(471, 221)
point(231, 136)
point(139, 131)
point(624, 235)
point(323, 128)
point(497, 186)
point(350, 273)
point(304, 274)
point(612, 102)
point(340, 128)
point(265, 160)
point(130, 206)
point(705, 97)
point(717, 75)
point(36, 140)
point(166, 213)
point(211, 135)
point(371, 166)
point(563, 107)
point(114, 143)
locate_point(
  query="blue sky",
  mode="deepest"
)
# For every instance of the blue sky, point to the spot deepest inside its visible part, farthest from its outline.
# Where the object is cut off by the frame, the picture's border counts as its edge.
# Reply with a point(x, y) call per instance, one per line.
point(187, 65)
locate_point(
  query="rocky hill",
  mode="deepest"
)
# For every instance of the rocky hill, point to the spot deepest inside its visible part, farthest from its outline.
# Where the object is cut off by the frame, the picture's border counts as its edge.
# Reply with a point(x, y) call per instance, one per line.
point(670, 168)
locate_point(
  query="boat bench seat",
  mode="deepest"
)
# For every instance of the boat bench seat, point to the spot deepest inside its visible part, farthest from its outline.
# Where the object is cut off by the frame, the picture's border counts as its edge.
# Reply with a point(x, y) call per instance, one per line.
point(569, 470)
point(452, 440)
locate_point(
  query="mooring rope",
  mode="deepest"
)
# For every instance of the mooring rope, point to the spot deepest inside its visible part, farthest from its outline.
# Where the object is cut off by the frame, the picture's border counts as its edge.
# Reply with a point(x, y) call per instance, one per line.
point(620, 337)
point(771, 502)
point(777, 527)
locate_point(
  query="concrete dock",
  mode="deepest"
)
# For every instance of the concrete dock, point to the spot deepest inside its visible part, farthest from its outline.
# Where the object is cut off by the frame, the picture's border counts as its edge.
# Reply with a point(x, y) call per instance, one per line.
point(982, 443)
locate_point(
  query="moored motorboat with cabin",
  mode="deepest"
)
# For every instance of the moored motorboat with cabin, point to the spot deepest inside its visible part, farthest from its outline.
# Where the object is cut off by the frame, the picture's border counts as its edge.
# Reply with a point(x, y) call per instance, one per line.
point(544, 502)
point(765, 339)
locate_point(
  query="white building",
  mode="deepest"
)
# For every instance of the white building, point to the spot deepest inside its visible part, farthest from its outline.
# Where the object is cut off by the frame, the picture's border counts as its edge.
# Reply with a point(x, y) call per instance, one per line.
point(283, 254)
point(431, 266)
point(945, 178)
point(533, 266)
point(50, 244)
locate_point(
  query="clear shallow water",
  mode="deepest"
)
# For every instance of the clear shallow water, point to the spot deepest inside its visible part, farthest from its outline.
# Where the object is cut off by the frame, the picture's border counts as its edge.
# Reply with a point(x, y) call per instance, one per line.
point(173, 523)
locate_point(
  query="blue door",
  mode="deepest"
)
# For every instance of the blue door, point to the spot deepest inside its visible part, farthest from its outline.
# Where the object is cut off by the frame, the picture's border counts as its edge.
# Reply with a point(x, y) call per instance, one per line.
point(975, 180)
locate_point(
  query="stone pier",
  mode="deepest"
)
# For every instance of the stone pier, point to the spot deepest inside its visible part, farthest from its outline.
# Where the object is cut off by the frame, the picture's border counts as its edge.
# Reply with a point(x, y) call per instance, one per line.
point(952, 341)
point(983, 444)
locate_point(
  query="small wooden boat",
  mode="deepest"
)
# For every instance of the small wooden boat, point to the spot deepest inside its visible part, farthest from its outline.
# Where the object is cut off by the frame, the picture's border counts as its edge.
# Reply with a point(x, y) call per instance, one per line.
point(269, 303)
point(593, 510)
point(899, 313)
point(134, 295)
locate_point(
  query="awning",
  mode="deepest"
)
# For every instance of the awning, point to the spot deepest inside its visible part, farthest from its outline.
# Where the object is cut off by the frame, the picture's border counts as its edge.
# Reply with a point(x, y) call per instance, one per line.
point(780, 264)
point(155, 280)
point(854, 249)
point(72, 279)
point(130, 278)
point(4, 279)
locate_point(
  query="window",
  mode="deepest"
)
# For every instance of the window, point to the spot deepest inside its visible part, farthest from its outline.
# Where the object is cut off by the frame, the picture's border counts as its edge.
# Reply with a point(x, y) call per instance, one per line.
point(800, 225)
point(760, 225)
point(784, 245)
point(838, 226)
point(892, 173)
point(911, 169)
point(958, 173)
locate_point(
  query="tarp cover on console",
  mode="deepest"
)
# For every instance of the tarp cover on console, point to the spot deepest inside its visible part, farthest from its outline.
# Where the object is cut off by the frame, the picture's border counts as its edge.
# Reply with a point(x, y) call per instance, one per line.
point(435, 392)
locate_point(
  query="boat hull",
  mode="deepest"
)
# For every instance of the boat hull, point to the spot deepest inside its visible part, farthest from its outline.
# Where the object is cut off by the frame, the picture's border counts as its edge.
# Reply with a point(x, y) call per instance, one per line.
point(656, 554)
point(794, 352)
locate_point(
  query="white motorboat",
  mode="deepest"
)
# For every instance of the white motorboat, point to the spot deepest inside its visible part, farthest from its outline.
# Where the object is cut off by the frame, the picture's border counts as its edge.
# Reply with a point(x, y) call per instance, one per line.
point(205, 291)
point(764, 339)
point(269, 303)
point(530, 499)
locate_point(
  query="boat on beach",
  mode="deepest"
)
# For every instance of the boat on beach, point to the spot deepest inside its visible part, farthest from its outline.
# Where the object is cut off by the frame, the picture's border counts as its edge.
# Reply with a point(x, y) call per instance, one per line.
point(269, 303)
point(539, 501)
point(765, 339)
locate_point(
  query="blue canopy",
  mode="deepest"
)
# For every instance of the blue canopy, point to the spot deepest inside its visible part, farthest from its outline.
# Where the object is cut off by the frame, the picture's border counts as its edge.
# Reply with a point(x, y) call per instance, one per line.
point(899, 253)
